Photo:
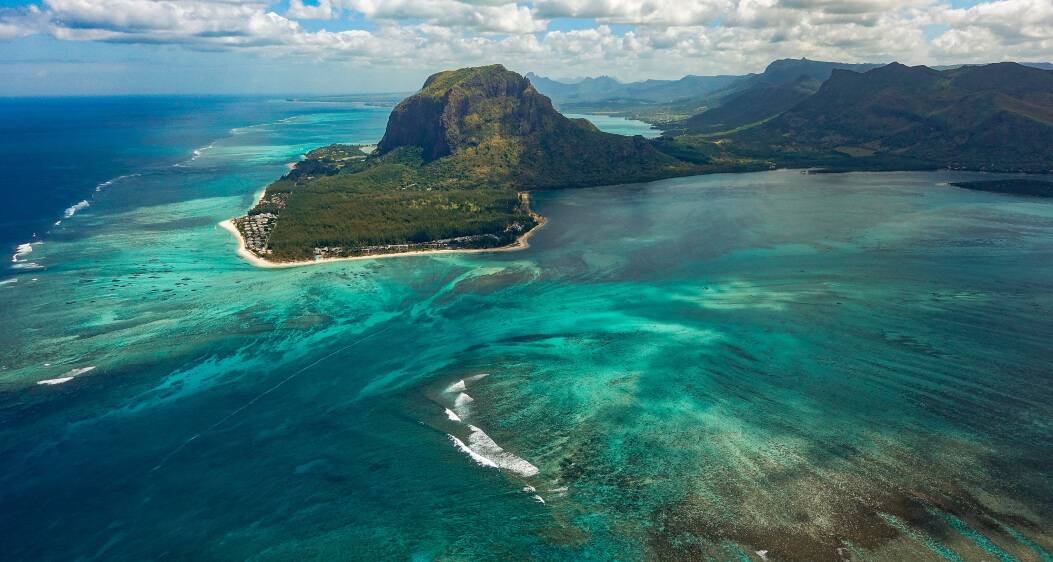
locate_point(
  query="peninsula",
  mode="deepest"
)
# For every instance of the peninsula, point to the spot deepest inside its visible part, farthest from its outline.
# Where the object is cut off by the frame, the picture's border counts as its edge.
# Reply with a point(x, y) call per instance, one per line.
point(451, 173)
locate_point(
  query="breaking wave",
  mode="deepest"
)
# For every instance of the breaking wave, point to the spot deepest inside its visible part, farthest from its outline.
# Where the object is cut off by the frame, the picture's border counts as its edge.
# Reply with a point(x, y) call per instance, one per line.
point(21, 251)
point(72, 210)
point(479, 446)
point(67, 376)
point(110, 182)
point(19, 261)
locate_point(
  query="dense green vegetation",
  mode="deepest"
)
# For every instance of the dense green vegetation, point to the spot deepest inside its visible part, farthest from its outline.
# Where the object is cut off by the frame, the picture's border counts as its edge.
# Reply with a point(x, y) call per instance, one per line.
point(1018, 186)
point(841, 117)
point(996, 117)
point(349, 206)
point(748, 108)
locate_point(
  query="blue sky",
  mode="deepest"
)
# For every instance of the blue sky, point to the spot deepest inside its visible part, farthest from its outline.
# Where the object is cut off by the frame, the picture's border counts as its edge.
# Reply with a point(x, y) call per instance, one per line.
point(72, 47)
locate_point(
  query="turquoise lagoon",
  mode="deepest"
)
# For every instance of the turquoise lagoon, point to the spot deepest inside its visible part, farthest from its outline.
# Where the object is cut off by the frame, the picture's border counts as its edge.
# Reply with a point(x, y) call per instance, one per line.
point(731, 367)
point(619, 125)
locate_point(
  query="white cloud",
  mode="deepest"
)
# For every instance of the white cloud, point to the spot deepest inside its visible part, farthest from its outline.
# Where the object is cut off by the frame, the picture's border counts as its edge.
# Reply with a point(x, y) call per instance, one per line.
point(21, 22)
point(500, 16)
point(644, 12)
point(323, 10)
point(665, 37)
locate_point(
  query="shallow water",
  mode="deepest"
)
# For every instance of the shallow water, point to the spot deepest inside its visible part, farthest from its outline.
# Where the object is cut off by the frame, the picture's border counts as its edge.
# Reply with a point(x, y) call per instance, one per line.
point(821, 367)
point(619, 125)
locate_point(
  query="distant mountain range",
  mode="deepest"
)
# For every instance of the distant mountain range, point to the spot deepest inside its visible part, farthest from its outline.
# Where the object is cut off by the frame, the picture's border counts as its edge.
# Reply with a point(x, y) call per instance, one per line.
point(991, 117)
point(800, 112)
point(670, 103)
point(605, 89)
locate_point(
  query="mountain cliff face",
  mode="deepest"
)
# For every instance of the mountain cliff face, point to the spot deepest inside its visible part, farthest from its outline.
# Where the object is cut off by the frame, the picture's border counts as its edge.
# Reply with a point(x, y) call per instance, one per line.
point(490, 125)
point(459, 109)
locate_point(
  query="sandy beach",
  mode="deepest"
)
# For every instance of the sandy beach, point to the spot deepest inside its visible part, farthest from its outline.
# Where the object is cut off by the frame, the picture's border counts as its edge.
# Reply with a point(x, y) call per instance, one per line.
point(521, 243)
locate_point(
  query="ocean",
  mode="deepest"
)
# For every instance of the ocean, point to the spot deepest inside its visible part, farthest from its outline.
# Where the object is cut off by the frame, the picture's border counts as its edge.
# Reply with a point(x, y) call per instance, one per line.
point(773, 365)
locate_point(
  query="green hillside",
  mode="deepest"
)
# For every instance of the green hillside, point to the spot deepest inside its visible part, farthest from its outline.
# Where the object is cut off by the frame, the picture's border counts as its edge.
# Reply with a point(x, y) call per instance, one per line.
point(749, 107)
point(993, 117)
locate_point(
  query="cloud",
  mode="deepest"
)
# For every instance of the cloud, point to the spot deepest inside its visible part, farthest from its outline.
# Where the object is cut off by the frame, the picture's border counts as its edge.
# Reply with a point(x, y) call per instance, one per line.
point(642, 12)
point(498, 16)
point(323, 10)
point(628, 38)
point(21, 22)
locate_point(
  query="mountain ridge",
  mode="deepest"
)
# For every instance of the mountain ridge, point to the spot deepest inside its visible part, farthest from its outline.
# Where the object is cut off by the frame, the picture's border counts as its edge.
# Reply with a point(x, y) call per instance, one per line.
point(991, 117)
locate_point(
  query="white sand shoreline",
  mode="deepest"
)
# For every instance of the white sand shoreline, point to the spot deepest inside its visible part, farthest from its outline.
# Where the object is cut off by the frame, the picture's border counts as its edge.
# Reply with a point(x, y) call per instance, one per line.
point(521, 243)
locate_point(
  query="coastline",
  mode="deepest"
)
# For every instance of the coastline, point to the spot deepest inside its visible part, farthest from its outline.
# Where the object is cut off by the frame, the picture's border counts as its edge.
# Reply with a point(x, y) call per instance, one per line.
point(521, 243)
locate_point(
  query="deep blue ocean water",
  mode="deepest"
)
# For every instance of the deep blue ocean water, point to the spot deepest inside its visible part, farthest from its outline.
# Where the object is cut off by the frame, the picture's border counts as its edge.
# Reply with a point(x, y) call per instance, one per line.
point(59, 152)
point(730, 367)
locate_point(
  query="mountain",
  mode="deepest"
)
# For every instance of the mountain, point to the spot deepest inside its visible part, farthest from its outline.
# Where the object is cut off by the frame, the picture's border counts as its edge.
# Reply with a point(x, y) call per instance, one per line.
point(671, 103)
point(757, 98)
point(448, 174)
point(751, 106)
point(606, 91)
point(784, 71)
point(992, 117)
point(493, 125)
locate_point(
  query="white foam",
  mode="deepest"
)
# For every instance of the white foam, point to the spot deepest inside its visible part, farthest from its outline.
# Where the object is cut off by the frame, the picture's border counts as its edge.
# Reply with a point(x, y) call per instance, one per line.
point(198, 151)
point(456, 387)
point(474, 378)
point(529, 489)
point(463, 399)
point(9, 281)
point(59, 380)
point(453, 417)
point(539, 499)
point(21, 251)
point(485, 452)
point(26, 265)
point(70, 211)
point(763, 554)
point(483, 445)
point(68, 375)
point(110, 182)
point(79, 371)
point(460, 404)
point(479, 459)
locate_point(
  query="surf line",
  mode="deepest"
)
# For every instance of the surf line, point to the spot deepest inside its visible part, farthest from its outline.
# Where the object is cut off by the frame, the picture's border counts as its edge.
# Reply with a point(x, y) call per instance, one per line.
point(259, 396)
